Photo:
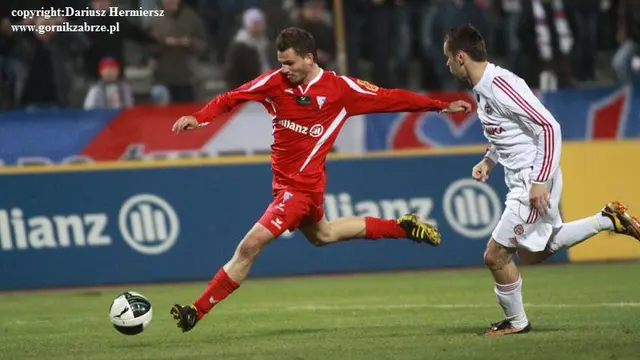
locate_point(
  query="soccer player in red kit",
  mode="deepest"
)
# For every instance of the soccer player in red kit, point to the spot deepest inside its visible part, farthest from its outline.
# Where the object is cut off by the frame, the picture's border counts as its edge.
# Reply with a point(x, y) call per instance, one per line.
point(308, 106)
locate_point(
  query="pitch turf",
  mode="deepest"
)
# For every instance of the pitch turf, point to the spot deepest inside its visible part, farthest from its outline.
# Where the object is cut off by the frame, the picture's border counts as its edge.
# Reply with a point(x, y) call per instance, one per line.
point(578, 311)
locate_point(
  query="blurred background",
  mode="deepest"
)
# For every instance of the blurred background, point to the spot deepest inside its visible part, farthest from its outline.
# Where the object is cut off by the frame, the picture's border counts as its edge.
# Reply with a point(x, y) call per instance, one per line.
point(553, 44)
point(122, 199)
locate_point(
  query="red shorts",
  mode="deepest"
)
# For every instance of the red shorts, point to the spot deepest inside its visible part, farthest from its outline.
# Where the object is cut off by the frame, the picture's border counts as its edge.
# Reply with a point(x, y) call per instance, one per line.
point(290, 210)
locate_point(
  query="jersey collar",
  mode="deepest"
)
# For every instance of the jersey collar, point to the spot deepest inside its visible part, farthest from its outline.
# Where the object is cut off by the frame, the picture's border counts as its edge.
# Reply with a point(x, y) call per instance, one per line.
point(485, 76)
point(304, 90)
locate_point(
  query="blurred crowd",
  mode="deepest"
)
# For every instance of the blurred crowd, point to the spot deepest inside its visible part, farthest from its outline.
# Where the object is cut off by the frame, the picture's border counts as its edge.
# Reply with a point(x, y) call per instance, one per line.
point(553, 44)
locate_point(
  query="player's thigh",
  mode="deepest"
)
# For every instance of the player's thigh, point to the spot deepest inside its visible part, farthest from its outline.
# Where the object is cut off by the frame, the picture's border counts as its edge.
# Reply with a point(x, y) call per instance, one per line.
point(316, 228)
point(285, 212)
point(513, 231)
point(527, 257)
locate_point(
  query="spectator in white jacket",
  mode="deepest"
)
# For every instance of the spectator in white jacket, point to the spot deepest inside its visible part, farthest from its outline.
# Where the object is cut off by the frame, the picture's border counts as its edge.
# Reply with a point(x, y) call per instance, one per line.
point(109, 92)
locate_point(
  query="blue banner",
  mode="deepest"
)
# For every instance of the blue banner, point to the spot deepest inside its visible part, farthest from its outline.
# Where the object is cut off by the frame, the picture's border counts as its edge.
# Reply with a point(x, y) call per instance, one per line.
point(165, 224)
point(584, 114)
point(143, 132)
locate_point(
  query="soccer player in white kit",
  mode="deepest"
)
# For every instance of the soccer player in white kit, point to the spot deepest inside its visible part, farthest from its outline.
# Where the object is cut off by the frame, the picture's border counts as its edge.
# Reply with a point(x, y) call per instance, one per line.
point(526, 139)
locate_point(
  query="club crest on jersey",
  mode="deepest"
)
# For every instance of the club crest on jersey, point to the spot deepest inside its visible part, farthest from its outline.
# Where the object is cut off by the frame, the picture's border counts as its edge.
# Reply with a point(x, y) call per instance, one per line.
point(519, 229)
point(367, 85)
point(488, 109)
point(321, 100)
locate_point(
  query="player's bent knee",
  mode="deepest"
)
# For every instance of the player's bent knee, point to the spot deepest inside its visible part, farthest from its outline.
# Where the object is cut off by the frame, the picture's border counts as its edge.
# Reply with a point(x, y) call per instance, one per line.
point(253, 243)
point(496, 256)
point(322, 238)
point(319, 235)
point(316, 241)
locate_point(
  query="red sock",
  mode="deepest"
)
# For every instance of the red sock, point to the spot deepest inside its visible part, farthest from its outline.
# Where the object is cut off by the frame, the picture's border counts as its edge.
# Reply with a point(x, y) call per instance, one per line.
point(219, 288)
point(376, 228)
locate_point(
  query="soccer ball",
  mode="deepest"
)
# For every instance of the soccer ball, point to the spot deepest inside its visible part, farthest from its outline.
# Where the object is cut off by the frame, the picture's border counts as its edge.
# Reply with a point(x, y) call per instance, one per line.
point(130, 313)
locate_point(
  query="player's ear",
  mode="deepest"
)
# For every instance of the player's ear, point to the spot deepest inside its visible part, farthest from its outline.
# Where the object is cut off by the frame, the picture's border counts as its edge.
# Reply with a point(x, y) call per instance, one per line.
point(309, 59)
point(461, 57)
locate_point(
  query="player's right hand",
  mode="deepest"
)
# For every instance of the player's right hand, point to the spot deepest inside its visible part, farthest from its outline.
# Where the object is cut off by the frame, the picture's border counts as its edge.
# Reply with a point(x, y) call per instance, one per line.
point(185, 123)
point(482, 170)
point(539, 198)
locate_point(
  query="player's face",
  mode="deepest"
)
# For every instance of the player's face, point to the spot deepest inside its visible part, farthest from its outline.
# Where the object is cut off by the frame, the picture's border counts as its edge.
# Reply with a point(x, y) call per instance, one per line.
point(295, 67)
point(455, 63)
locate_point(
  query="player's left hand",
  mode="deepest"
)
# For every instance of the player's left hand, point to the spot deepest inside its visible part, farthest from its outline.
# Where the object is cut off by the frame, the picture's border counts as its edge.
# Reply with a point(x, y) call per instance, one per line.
point(539, 198)
point(458, 106)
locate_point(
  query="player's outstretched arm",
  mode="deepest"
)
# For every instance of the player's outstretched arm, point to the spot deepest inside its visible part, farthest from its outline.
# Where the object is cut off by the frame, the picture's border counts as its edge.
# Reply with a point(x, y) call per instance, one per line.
point(365, 98)
point(254, 90)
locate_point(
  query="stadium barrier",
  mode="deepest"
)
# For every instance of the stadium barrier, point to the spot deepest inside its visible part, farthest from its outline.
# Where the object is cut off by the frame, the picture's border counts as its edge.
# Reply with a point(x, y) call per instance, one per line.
point(594, 174)
point(121, 224)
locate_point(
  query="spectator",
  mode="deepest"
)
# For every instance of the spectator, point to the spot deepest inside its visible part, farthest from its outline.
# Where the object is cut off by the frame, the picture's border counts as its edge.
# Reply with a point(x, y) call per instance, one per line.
point(7, 71)
point(109, 92)
point(442, 16)
point(513, 48)
point(250, 52)
point(628, 37)
point(104, 44)
point(546, 37)
point(584, 18)
point(220, 20)
point(181, 35)
point(380, 16)
point(405, 13)
point(355, 13)
point(49, 58)
point(312, 18)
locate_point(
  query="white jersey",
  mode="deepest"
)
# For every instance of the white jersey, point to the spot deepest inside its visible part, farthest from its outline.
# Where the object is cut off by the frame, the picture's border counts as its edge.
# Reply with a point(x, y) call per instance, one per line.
point(522, 133)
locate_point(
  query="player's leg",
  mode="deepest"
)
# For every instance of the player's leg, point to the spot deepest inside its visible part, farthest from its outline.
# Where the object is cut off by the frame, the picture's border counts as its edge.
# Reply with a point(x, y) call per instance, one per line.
point(322, 232)
point(271, 225)
point(498, 257)
point(613, 217)
point(226, 280)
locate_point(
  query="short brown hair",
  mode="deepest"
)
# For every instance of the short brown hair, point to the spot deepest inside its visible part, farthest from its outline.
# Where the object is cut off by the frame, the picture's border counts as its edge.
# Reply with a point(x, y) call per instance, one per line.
point(301, 41)
point(468, 39)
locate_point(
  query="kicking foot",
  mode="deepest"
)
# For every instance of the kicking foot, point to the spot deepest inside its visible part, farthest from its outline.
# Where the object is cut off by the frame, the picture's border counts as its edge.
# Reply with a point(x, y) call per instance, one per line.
point(186, 317)
point(623, 223)
point(418, 231)
point(504, 327)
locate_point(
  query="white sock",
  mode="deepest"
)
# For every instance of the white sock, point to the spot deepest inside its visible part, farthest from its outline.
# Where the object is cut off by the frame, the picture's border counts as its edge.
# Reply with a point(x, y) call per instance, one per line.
point(575, 232)
point(510, 298)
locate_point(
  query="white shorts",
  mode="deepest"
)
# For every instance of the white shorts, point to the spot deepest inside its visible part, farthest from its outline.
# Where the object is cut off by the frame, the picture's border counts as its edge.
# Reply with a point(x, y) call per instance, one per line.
point(520, 225)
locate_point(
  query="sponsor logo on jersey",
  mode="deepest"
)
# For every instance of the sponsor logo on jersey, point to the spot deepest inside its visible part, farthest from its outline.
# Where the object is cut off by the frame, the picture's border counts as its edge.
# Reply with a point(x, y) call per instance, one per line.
point(315, 131)
point(367, 85)
point(303, 100)
point(493, 130)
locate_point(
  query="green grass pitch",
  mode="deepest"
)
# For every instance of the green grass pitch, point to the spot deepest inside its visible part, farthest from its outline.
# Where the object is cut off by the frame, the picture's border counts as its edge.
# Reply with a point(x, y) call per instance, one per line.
point(578, 312)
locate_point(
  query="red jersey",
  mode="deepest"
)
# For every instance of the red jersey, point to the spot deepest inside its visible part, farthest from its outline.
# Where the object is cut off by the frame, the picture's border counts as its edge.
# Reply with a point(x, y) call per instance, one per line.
point(307, 118)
